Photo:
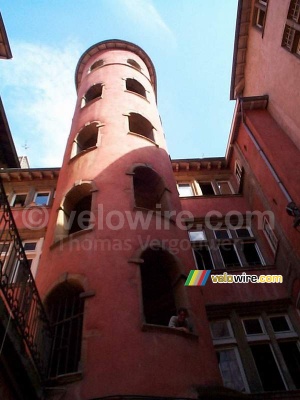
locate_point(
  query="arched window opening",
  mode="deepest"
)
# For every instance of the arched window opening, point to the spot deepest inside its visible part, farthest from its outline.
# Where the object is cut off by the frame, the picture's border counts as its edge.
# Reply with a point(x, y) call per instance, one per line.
point(158, 275)
point(149, 190)
point(134, 86)
point(75, 212)
point(87, 138)
point(94, 92)
point(134, 64)
point(64, 306)
point(96, 64)
point(140, 125)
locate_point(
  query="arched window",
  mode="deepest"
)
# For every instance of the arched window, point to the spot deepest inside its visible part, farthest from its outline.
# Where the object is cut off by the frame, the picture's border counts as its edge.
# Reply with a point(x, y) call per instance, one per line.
point(150, 191)
point(134, 64)
point(134, 86)
point(87, 138)
point(75, 212)
point(64, 306)
point(96, 64)
point(160, 286)
point(140, 125)
point(94, 92)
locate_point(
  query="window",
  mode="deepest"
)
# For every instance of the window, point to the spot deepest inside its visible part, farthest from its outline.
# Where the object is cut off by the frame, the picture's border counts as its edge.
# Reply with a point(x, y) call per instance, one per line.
point(275, 361)
point(42, 198)
point(141, 126)
point(231, 369)
point(19, 200)
point(29, 246)
point(87, 138)
point(94, 92)
point(134, 86)
point(291, 34)
point(228, 357)
point(65, 309)
point(149, 190)
point(96, 65)
point(260, 12)
point(134, 64)
point(203, 257)
point(267, 367)
point(75, 213)
point(157, 274)
point(225, 187)
point(185, 189)
point(270, 235)
point(238, 170)
point(206, 188)
point(225, 248)
point(252, 326)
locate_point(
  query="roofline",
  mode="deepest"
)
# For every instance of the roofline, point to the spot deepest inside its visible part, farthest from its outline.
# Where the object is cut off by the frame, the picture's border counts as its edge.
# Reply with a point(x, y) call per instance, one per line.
point(116, 44)
point(8, 133)
point(235, 48)
point(5, 39)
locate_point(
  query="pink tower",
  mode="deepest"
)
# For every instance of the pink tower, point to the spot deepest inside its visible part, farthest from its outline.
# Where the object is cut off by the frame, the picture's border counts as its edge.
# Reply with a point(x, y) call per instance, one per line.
point(117, 254)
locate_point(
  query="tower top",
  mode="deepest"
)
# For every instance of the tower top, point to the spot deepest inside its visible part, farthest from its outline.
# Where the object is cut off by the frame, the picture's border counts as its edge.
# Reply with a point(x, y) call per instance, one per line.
point(115, 44)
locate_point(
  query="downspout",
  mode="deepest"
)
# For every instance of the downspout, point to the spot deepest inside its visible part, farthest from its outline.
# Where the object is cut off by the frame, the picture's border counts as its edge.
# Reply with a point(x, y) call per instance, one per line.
point(264, 157)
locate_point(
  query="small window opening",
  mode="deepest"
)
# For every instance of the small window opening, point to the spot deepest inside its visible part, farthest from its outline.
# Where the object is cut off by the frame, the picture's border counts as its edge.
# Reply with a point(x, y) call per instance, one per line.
point(149, 190)
point(87, 138)
point(75, 213)
point(134, 86)
point(140, 125)
point(94, 92)
point(65, 309)
point(206, 188)
point(96, 64)
point(158, 293)
point(19, 200)
point(134, 64)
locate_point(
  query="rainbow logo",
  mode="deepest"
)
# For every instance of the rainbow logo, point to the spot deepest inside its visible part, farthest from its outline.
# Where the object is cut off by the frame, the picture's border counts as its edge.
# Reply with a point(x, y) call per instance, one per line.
point(197, 278)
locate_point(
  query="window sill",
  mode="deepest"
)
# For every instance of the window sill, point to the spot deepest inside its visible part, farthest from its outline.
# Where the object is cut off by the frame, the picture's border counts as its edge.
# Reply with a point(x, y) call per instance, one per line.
point(82, 153)
point(137, 94)
point(167, 330)
point(59, 242)
point(143, 137)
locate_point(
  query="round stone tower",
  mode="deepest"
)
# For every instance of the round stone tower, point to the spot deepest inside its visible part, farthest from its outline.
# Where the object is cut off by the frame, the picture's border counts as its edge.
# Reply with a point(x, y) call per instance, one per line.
point(117, 254)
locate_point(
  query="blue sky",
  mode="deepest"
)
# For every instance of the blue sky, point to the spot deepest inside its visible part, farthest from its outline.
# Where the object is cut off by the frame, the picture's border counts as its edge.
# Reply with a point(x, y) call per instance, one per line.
point(189, 41)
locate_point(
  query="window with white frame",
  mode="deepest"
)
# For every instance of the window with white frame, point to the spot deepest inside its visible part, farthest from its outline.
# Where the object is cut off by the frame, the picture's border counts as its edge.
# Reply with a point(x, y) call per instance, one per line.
point(225, 187)
point(274, 347)
point(228, 357)
point(42, 198)
point(238, 170)
point(260, 13)
point(18, 200)
point(185, 189)
point(204, 188)
point(225, 248)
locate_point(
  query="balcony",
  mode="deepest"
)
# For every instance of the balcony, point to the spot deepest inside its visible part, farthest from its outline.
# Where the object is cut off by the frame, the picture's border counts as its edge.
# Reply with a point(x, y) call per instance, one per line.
point(25, 333)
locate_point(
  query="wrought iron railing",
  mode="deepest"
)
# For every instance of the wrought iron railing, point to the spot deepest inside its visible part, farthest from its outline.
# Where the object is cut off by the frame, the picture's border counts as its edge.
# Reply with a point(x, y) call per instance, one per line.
point(18, 288)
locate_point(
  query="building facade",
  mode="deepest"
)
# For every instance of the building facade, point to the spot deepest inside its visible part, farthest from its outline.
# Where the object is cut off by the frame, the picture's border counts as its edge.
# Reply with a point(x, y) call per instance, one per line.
point(110, 238)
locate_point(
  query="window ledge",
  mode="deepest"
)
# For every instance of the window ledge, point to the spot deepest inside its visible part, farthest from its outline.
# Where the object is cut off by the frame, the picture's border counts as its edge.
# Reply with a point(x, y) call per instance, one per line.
point(140, 95)
point(59, 242)
point(143, 137)
point(83, 152)
point(166, 329)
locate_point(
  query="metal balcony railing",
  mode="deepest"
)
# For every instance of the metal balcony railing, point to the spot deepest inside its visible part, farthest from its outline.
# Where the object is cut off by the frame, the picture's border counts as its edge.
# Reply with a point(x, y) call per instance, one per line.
point(17, 287)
